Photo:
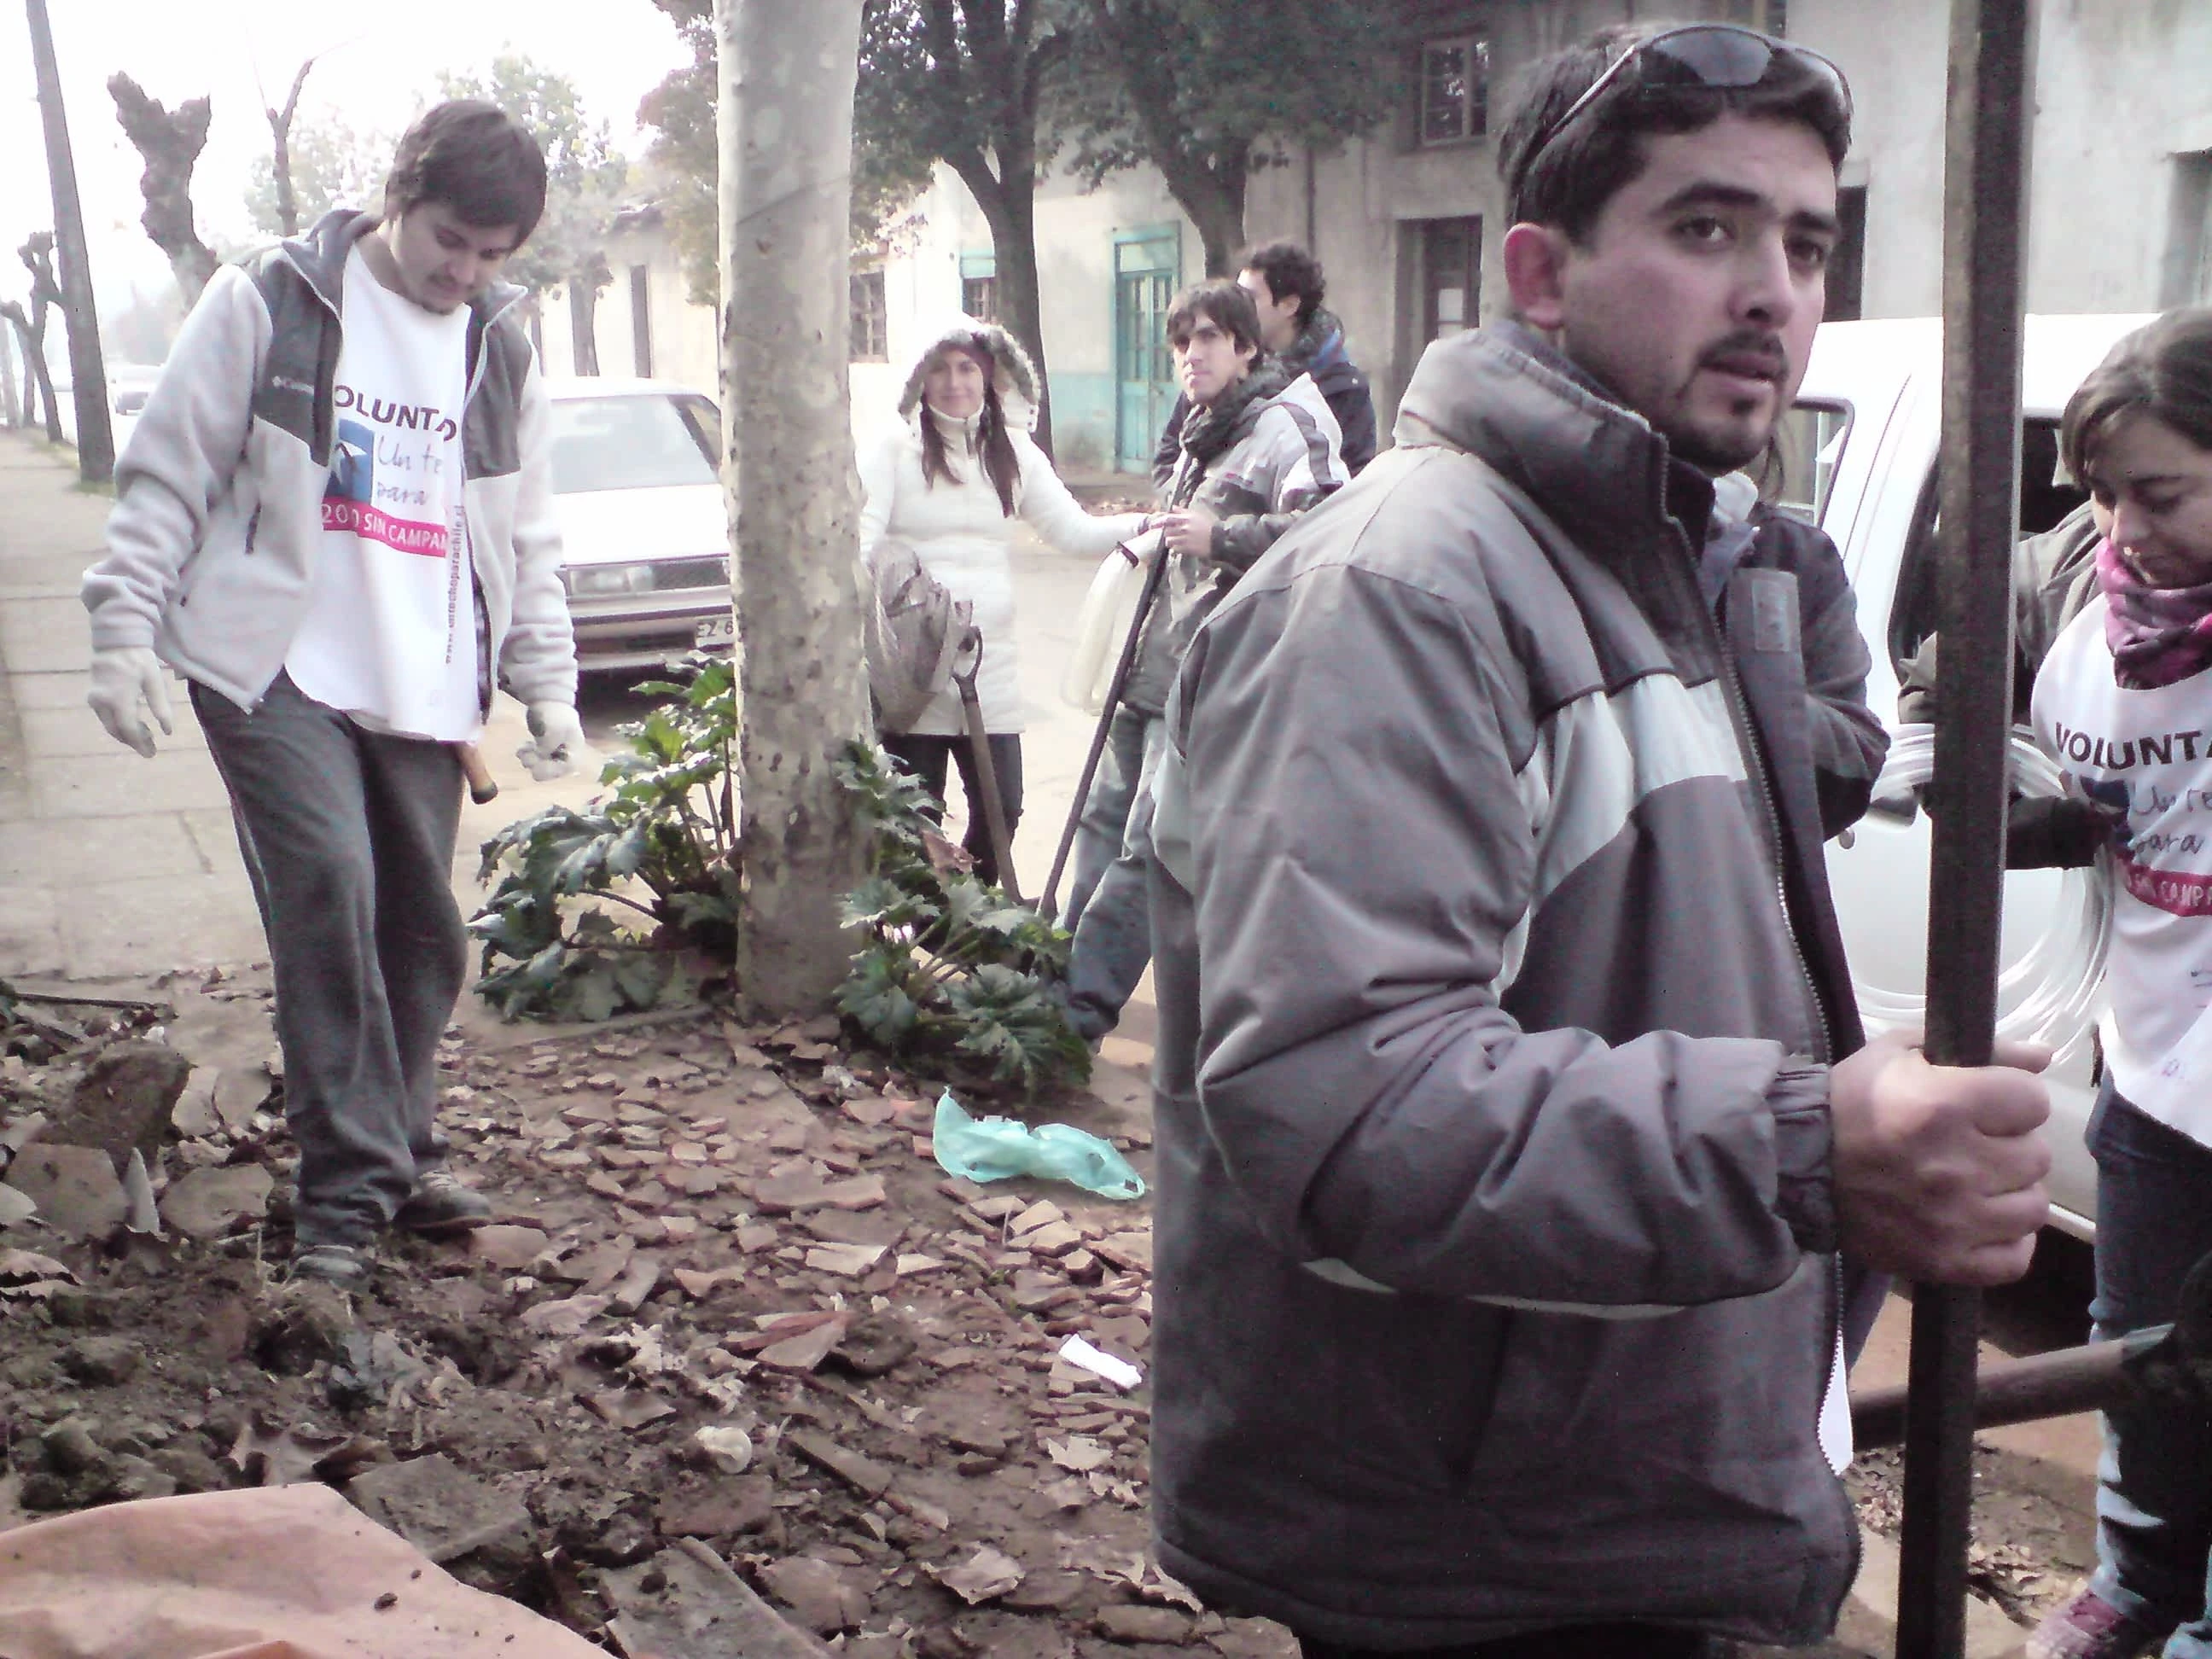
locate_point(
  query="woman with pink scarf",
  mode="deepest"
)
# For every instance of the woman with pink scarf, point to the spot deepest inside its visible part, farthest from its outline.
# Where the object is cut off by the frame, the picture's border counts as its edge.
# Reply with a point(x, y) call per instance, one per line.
point(2124, 703)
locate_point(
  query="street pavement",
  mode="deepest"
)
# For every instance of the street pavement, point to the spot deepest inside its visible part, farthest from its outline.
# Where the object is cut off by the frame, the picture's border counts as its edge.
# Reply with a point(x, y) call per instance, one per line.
point(113, 866)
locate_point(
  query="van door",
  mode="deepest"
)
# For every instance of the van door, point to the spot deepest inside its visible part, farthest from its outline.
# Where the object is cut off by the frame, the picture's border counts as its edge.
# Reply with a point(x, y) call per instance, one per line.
point(1879, 873)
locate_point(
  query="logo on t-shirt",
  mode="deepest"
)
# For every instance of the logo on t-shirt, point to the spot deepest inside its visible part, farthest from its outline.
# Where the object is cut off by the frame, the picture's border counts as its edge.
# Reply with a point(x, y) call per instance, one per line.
point(353, 468)
point(386, 488)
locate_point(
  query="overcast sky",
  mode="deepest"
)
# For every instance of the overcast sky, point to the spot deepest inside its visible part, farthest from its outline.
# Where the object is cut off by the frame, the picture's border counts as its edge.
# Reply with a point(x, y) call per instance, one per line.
point(381, 61)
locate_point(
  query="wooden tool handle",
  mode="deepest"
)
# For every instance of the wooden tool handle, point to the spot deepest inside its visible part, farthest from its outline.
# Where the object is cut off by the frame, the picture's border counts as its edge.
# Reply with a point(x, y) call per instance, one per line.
point(481, 787)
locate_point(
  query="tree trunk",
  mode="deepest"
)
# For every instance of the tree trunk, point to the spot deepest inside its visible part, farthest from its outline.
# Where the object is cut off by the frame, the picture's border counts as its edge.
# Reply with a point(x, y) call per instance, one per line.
point(280, 131)
point(786, 75)
point(11, 411)
point(1221, 232)
point(95, 438)
point(170, 145)
point(583, 325)
point(1009, 207)
point(38, 383)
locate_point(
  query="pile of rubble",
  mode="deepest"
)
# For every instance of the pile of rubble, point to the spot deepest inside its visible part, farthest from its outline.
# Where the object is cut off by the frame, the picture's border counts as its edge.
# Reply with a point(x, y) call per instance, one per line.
point(732, 1317)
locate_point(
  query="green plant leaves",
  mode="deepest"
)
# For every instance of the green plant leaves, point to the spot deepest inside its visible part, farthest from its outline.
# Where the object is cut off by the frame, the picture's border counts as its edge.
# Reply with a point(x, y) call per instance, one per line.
point(951, 967)
point(658, 849)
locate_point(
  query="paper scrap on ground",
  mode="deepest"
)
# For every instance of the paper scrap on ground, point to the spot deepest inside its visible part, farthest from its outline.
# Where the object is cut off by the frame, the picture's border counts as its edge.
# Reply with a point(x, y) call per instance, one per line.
point(1120, 1372)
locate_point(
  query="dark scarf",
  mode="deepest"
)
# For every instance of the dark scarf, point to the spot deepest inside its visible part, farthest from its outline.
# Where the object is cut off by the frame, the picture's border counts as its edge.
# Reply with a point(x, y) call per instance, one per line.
point(1321, 332)
point(2157, 635)
point(1207, 431)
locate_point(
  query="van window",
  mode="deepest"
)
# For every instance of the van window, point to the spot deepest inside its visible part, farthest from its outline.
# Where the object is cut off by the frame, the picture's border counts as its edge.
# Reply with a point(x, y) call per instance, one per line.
point(1808, 442)
point(2045, 499)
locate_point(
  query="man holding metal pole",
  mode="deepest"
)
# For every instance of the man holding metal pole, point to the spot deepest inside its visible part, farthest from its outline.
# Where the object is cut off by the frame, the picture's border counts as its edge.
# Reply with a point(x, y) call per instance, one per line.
point(1512, 1114)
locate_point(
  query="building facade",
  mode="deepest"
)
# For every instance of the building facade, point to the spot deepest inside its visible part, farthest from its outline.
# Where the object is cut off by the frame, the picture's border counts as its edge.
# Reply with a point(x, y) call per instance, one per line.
point(1407, 221)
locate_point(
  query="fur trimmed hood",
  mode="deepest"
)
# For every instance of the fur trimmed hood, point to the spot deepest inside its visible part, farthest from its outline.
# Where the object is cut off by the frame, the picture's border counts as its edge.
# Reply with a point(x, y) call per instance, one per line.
point(1013, 372)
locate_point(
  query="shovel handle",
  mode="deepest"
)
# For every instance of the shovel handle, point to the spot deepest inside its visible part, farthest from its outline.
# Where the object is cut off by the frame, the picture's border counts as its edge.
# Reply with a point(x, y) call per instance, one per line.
point(481, 787)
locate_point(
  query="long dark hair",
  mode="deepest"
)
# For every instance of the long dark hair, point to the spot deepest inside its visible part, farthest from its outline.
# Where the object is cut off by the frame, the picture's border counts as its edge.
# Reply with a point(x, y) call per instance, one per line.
point(1000, 464)
point(2164, 370)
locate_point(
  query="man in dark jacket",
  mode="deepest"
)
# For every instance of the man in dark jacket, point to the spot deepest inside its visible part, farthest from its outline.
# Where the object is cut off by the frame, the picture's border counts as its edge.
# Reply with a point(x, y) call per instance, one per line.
point(1510, 1122)
point(1287, 287)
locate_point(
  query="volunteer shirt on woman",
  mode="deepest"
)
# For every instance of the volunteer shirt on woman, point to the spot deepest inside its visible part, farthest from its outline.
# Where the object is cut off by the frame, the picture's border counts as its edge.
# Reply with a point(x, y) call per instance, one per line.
point(2150, 753)
point(390, 634)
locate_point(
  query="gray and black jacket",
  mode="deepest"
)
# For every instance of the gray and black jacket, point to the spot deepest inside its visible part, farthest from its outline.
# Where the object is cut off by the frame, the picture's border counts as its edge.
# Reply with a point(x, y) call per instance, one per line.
point(1256, 464)
point(1320, 351)
point(1499, 984)
point(218, 511)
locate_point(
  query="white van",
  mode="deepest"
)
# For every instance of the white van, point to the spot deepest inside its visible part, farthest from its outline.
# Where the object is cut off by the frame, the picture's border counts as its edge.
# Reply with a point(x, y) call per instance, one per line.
point(1860, 451)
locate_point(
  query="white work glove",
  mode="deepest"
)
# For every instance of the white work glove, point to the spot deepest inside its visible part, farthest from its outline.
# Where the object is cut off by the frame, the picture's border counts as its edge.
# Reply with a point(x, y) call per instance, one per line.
point(556, 746)
point(121, 677)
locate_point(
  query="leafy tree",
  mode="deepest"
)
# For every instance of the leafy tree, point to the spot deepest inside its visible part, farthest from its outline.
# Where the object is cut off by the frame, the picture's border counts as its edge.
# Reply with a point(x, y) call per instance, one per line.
point(1206, 91)
point(585, 180)
point(332, 165)
point(682, 159)
point(963, 82)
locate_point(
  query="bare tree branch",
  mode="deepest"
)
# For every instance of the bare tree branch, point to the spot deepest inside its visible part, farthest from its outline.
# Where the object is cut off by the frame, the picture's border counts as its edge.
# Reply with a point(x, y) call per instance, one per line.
point(170, 143)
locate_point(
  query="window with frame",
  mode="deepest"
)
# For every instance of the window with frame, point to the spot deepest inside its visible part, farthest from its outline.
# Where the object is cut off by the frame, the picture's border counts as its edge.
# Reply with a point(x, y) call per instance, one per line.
point(2185, 277)
point(871, 324)
point(1454, 83)
point(979, 297)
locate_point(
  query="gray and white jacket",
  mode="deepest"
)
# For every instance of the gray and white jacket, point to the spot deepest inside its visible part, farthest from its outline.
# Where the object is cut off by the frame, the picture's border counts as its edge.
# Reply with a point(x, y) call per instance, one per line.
point(218, 512)
point(1279, 459)
point(1498, 985)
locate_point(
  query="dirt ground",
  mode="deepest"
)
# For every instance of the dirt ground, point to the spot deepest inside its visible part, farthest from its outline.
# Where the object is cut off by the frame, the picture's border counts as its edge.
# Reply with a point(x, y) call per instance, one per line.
point(730, 1297)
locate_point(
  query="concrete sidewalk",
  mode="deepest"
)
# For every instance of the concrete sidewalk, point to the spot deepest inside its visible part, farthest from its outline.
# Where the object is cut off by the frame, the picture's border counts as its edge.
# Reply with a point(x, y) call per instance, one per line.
point(111, 865)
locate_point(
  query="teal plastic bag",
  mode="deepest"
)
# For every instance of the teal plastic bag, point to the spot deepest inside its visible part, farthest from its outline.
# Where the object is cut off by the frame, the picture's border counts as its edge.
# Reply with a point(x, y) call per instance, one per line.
point(996, 1148)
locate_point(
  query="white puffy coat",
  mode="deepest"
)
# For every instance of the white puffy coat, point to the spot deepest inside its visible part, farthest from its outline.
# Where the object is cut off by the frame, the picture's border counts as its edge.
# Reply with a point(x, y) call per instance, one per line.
point(963, 539)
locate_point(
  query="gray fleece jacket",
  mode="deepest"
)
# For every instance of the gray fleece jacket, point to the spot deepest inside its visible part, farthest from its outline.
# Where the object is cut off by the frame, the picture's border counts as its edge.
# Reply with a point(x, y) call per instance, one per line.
point(1497, 985)
point(218, 494)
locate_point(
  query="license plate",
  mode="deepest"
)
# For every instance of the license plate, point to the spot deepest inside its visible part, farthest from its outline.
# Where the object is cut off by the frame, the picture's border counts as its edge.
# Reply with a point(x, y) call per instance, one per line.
point(717, 630)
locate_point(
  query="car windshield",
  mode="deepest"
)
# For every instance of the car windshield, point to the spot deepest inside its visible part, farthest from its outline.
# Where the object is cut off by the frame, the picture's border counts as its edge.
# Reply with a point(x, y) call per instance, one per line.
point(639, 442)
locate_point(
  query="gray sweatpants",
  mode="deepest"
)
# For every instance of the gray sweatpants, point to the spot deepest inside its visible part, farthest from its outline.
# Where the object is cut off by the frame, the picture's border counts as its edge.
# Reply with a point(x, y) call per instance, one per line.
point(347, 837)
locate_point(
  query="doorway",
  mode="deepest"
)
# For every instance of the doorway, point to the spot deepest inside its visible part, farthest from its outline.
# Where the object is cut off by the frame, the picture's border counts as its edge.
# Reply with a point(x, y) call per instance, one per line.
point(1147, 267)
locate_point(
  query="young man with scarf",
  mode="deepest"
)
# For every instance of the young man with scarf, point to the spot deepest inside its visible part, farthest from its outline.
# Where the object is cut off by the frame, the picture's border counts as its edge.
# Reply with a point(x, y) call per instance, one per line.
point(1296, 328)
point(1258, 446)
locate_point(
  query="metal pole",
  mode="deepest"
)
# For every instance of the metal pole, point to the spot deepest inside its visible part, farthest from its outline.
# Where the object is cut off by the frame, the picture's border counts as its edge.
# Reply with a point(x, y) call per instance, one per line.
point(1984, 188)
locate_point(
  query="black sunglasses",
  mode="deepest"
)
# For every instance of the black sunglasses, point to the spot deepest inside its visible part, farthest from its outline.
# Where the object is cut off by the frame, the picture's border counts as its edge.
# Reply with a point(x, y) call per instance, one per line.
point(1720, 56)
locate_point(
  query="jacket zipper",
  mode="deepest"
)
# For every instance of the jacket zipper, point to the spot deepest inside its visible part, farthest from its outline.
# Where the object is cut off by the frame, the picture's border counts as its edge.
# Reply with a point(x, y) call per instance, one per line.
point(1755, 761)
point(1755, 754)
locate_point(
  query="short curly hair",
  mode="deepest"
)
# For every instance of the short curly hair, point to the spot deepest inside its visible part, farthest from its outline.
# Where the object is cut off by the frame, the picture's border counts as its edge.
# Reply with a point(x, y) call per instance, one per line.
point(1289, 270)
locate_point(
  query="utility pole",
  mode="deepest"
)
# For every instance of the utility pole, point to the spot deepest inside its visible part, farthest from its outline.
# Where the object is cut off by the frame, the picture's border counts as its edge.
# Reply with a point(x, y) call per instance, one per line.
point(95, 439)
point(787, 76)
point(1985, 237)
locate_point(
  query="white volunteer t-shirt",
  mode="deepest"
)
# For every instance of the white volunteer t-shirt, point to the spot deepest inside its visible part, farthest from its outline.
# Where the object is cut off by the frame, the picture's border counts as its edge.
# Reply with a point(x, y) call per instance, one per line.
point(389, 634)
point(2149, 752)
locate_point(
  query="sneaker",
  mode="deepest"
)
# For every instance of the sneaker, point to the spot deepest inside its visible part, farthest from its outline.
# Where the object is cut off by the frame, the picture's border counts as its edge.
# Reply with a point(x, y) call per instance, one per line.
point(2090, 1627)
point(346, 1266)
point(440, 1204)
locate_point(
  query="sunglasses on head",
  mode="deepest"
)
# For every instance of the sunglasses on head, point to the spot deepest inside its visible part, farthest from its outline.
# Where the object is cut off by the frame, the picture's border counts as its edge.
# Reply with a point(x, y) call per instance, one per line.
point(1720, 57)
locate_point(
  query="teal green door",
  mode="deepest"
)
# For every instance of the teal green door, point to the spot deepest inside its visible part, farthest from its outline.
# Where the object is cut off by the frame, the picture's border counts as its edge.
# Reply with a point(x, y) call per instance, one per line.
point(1146, 268)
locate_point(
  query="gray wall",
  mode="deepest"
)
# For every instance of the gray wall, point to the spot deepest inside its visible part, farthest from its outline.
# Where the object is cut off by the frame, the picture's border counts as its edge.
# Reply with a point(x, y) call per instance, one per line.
point(2124, 87)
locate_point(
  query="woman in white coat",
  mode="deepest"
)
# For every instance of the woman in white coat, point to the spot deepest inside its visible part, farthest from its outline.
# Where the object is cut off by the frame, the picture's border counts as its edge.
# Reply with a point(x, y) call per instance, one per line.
point(949, 480)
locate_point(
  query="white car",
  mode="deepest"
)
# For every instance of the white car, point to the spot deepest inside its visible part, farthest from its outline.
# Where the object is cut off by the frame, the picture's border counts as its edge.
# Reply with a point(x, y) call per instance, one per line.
point(645, 533)
point(1860, 449)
